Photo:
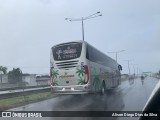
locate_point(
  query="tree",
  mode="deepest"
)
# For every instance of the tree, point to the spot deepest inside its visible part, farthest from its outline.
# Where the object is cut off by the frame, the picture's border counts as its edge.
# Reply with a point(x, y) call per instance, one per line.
point(80, 72)
point(3, 69)
point(15, 76)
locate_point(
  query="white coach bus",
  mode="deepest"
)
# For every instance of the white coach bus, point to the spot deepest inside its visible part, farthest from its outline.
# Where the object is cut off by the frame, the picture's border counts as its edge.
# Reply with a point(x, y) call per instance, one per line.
point(78, 68)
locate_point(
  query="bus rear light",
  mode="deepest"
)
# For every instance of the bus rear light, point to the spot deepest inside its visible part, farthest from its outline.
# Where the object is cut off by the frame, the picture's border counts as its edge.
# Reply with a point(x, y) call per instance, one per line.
point(51, 80)
point(86, 72)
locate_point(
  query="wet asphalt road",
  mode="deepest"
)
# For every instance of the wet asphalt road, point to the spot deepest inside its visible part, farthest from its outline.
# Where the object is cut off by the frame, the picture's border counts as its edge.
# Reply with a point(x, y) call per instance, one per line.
point(129, 96)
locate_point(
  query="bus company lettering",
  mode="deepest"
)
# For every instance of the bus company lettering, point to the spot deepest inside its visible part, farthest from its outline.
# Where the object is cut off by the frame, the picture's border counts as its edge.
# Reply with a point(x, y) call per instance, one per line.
point(69, 56)
point(69, 51)
point(65, 76)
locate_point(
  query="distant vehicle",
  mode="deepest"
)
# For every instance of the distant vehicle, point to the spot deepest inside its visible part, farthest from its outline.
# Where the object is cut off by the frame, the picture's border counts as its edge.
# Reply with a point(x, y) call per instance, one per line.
point(142, 77)
point(79, 68)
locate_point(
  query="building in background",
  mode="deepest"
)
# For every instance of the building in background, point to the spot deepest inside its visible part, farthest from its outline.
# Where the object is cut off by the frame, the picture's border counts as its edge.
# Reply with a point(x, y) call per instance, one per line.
point(29, 79)
point(3, 78)
point(43, 80)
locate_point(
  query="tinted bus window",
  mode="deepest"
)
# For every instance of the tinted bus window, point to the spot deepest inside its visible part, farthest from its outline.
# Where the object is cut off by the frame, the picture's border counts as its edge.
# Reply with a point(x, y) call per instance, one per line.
point(67, 51)
point(98, 57)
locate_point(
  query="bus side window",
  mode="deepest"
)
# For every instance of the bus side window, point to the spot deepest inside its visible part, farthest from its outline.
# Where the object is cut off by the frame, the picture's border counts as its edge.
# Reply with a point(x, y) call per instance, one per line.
point(87, 53)
point(90, 54)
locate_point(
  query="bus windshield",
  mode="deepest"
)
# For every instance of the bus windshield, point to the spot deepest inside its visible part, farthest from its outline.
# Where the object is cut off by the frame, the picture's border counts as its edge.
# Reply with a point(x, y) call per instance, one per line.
point(67, 51)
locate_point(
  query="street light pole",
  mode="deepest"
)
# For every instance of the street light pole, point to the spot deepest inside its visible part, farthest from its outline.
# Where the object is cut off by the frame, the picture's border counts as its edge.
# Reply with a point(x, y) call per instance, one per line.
point(82, 29)
point(117, 53)
point(116, 56)
point(137, 71)
point(128, 65)
point(134, 69)
point(84, 18)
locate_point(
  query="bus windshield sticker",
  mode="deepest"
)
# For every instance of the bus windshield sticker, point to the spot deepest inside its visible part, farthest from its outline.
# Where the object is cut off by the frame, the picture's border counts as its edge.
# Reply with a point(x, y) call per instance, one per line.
point(59, 52)
point(69, 51)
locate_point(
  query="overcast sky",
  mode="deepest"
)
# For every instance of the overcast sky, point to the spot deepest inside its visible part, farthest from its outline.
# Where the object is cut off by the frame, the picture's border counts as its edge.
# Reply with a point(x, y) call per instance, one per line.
point(29, 28)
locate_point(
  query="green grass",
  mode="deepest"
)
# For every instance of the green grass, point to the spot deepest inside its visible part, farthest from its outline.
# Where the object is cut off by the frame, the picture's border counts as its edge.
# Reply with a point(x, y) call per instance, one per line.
point(22, 100)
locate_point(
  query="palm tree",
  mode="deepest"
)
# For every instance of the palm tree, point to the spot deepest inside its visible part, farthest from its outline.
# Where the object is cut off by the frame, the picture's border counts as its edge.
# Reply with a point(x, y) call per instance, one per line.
point(96, 81)
point(15, 75)
point(55, 82)
point(80, 81)
point(3, 69)
point(80, 72)
point(54, 74)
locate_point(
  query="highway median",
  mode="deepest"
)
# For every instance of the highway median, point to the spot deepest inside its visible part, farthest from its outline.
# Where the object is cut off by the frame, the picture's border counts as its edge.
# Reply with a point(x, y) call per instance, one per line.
point(12, 100)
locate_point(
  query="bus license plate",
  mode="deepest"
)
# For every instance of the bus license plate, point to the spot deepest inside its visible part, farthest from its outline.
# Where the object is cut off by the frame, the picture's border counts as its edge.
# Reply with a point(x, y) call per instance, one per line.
point(68, 88)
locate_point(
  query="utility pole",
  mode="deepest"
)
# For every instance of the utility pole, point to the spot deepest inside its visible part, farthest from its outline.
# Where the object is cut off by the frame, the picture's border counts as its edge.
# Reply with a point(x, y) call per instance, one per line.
point(128, 66)
point(134, 69)
point(117, 53)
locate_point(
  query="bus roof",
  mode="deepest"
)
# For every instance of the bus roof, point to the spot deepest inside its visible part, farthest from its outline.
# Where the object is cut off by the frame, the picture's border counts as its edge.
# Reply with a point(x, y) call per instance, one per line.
point(82, 41)
point(69, 42)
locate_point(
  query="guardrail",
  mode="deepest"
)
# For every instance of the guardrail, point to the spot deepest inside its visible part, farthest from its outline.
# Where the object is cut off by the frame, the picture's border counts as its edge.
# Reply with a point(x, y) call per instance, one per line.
point(20, 92)
point(26, 87)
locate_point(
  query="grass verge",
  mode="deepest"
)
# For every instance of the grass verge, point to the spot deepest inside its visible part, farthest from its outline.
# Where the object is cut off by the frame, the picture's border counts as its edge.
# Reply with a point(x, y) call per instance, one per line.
point(23, 100)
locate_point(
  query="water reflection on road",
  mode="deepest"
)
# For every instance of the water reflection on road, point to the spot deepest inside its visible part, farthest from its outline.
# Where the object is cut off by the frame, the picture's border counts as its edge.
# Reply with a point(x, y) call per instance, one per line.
point(131, 95)
point(92, 102)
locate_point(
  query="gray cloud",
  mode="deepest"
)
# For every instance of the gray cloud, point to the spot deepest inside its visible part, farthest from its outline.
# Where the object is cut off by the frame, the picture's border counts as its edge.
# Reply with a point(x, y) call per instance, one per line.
point(30, 28)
